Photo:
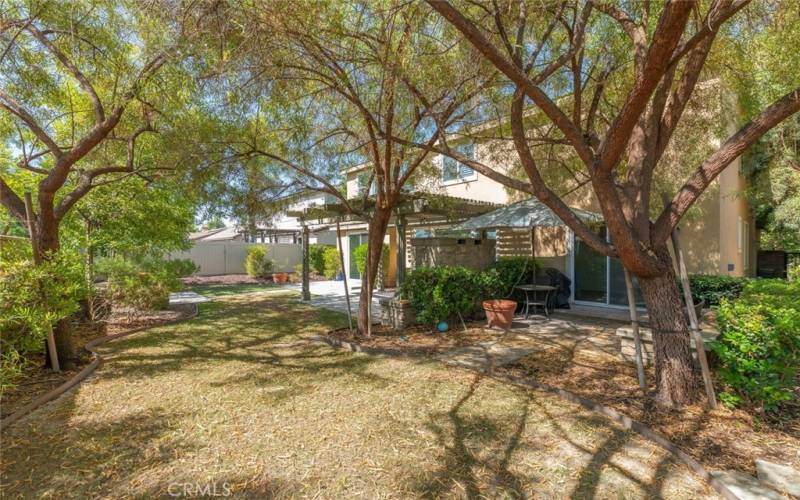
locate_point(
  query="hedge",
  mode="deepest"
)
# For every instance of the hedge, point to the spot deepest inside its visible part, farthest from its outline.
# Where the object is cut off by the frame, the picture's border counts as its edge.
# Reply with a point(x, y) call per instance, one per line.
point(713, 288)
point(759, 344)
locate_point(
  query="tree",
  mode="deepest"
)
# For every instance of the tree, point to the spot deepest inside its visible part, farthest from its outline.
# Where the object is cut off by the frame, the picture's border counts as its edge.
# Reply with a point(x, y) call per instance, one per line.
point(343, 85)
point(74, 92)
point(613, 83)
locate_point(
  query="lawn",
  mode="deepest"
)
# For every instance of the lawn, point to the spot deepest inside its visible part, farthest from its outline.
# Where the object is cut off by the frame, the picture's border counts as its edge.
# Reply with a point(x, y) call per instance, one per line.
point(243, 400)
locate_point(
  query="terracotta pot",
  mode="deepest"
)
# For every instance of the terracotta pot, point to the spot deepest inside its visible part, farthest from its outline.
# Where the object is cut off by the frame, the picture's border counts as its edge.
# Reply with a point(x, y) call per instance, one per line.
point(280, 277)
point(500, 312)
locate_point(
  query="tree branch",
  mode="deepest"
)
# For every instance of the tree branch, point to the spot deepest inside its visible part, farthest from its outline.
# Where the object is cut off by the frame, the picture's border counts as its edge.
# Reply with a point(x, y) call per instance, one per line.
point(539, 97)
point(99, 111)
point(10, 200)
point(717, 162)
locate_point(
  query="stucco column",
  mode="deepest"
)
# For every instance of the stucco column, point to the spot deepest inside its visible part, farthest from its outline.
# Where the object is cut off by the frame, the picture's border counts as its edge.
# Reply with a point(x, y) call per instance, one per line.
point(401, 250)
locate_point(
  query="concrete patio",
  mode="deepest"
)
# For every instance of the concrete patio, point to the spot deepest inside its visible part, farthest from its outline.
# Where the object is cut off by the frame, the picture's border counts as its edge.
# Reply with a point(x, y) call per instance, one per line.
point(330, 295)
point(570, 336)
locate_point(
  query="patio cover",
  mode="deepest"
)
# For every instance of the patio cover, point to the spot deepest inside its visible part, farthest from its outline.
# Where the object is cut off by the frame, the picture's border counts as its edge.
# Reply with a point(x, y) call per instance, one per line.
point(523, 214)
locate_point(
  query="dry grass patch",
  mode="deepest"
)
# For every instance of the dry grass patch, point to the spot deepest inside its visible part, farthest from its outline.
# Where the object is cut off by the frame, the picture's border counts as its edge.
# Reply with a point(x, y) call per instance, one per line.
point(242, 398)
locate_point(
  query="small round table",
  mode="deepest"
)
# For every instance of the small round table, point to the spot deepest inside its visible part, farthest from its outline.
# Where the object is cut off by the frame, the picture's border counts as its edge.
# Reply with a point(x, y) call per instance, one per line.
point(531, 297)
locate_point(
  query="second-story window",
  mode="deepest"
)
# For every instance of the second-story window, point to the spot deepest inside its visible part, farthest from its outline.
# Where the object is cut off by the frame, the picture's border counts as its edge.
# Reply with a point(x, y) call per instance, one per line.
point(454, 171)
point(363, 179)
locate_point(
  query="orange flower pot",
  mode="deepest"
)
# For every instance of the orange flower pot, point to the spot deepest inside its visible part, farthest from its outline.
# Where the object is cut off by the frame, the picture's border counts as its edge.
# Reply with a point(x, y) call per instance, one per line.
point(500, 312)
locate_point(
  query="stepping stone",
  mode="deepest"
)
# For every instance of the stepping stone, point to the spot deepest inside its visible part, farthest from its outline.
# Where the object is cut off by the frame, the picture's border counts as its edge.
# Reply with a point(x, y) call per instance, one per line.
point(745, 486)
point(781, 477)
point(186, 298)
point(481, 357)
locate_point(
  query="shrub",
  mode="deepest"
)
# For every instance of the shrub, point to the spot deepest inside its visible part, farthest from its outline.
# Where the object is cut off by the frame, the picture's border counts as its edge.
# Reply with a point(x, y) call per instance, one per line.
point(713, 288)
point(31, 298)
point(759, 344)
point(507, 273)
point(333, 264)
point(180, 268)
point(316, 257)
point(144, 283)
point(256, 263)
point(444, 292)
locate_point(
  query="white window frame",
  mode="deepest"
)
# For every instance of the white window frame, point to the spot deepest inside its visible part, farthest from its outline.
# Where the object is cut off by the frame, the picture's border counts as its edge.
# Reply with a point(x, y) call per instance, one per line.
point(459, 179)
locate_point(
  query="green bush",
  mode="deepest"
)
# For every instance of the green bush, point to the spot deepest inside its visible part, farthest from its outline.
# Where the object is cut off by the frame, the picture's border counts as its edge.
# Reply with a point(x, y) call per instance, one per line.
point(316, 257)
point(759, 344)
point(360, 256)
point(444, 292)
point(507, 273)
point(180, 268)
point(143, 284)
point(31, 298)
point(713, 288)
point(332, 262)
point(256, 264)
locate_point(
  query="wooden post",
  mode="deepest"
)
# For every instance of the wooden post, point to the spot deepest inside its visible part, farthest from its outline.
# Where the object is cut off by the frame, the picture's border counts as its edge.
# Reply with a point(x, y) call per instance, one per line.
point(344, 275)
point(401, 250)
point(306, 284)
point(699, 345)
point(37, 259)
point(369, 295)
point(637, 340)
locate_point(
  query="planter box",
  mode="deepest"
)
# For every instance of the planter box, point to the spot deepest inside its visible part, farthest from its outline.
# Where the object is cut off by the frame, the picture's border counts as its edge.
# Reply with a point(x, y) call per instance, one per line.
point(397, 313)
point(628, 346)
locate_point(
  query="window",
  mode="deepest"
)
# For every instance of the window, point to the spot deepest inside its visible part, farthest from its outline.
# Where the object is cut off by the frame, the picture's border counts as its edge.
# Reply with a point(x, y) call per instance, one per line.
point(453, 171)
point(362, 180)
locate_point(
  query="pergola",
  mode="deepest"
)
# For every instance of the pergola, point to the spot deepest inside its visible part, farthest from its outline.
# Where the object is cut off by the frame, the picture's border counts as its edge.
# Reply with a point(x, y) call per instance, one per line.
point(412, 209)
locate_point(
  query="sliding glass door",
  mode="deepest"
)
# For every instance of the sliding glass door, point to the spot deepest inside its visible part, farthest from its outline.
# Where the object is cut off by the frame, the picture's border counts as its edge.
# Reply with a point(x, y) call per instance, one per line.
point(600, 279)
point(591, 272)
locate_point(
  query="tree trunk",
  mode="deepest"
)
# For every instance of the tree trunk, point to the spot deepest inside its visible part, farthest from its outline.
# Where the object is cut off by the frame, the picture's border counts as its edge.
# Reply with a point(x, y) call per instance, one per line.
point(48, 242)
point(675, 379)
point(377, 231)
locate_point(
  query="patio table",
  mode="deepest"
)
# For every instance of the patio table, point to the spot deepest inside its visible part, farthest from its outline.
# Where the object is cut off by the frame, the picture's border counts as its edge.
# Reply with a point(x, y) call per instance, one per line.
point(532, 298)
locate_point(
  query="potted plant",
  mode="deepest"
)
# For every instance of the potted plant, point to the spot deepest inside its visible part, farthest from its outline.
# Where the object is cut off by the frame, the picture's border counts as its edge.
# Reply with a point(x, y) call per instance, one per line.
point(499, 312)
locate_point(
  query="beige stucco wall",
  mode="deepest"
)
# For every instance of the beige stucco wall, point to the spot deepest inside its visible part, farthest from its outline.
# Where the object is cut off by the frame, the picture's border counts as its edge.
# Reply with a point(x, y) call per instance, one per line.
point(479, 188)
point(737, 231)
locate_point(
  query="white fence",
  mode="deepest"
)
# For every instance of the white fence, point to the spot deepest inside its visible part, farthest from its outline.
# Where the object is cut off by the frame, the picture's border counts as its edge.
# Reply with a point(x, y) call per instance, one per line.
point(227, 257)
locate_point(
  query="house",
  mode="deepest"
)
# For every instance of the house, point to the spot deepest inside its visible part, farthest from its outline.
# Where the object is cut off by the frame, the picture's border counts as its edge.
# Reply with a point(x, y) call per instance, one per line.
point(280, 228)
point(218, 234)
point(719, 238)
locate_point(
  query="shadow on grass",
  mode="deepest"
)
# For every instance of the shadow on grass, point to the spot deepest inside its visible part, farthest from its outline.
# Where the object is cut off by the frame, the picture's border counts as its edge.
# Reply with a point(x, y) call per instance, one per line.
point(46, 457)
point(463, 436)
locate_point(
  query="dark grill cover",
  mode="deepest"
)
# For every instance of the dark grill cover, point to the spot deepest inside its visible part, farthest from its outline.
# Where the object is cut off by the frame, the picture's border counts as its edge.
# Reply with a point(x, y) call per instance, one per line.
point(560, 298)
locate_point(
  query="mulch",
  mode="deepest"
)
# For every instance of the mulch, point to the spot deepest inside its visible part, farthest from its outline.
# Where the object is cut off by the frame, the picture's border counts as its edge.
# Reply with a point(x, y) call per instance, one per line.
point(418, 340)
point(37, 380)
point(721, 439)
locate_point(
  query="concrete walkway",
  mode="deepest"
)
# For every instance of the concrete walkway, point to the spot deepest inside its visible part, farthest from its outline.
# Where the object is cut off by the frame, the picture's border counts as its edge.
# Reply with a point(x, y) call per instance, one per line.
point(178, 298)
point(330, 295)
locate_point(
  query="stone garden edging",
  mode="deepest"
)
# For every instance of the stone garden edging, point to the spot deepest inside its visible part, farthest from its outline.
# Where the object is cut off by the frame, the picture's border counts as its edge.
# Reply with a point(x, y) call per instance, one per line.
point(609, 413)
point(87, 370)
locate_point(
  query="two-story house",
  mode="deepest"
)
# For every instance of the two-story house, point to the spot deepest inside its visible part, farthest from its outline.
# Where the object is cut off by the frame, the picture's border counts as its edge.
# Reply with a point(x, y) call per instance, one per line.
point(719, 239)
